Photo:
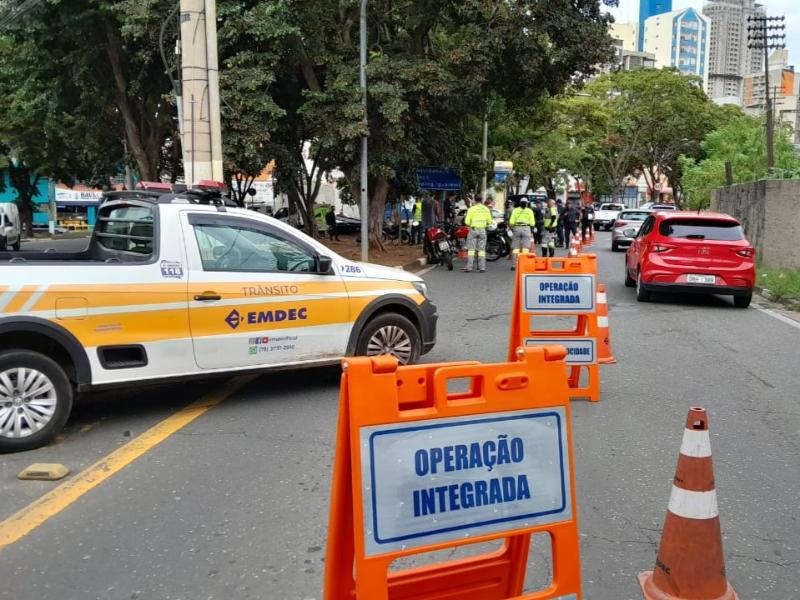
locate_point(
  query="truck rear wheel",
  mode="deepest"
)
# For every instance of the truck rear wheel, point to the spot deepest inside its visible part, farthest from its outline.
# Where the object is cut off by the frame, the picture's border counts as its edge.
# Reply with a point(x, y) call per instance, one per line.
point(35, 400)
point(393, 334)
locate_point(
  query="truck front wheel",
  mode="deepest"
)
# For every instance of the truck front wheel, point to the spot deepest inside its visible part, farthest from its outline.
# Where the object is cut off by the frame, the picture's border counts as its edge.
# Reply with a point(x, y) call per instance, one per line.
point(393, 334)
point(35, 400)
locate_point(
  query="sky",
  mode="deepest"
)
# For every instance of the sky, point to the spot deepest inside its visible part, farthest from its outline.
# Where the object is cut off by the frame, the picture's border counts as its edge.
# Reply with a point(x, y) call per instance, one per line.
point(629, 11)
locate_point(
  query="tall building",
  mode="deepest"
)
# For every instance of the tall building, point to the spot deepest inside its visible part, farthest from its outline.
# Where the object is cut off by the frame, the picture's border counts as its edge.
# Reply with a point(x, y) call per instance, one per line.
point(784, 91)
point(730, 58)
point(647, 9)
point(679, 39)
point(625, 35)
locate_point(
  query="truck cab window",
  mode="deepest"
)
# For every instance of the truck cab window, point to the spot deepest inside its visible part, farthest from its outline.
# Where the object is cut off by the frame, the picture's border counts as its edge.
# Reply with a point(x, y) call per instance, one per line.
point(228, 247)
point(126, 229)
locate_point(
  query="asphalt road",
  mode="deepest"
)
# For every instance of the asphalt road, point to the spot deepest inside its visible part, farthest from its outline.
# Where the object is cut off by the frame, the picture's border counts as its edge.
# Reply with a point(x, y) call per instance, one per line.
point(234, 505)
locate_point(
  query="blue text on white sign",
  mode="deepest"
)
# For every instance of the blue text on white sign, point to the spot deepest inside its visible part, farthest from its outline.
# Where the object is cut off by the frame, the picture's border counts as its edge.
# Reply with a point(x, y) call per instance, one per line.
point(580, 351)
point(559, 293)
point(446, 479)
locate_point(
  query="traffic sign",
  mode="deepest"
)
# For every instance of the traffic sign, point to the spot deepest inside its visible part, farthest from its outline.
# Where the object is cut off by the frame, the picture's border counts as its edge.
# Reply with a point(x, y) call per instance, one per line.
point(435, 178)
point(446, 479)
point(580, 351)
point(559, 293)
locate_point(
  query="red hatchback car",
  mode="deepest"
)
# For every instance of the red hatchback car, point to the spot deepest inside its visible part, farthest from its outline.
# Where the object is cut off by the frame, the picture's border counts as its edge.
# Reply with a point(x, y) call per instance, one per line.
point(690, 252)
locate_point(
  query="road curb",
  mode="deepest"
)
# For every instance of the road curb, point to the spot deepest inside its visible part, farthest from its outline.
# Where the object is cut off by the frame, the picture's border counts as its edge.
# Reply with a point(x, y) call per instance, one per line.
point(789, 303)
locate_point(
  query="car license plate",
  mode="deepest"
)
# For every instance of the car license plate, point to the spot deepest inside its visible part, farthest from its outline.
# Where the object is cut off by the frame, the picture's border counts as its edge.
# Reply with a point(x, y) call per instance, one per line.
point(444, 245)
point(711, 279)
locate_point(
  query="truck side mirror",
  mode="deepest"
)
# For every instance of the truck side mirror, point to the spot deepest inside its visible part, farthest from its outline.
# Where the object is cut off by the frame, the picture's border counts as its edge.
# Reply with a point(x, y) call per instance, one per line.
point(324, 264)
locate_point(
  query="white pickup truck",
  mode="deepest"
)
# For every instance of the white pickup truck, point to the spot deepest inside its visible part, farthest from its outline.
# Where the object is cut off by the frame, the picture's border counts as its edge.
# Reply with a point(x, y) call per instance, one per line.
point(606, 215)
point(180, 285)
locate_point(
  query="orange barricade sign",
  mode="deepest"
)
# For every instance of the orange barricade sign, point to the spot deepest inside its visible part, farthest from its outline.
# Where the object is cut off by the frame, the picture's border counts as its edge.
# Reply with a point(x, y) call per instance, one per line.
point(565, 288)
point(418, 469)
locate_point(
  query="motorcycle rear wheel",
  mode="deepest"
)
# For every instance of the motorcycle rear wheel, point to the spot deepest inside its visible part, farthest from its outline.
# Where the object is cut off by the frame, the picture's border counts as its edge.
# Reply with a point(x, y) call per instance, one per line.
point(494, 250)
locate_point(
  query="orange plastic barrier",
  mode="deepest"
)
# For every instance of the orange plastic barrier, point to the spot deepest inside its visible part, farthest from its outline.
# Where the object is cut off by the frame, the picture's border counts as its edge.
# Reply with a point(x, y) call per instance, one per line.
point(419, 468)
point(548, 287)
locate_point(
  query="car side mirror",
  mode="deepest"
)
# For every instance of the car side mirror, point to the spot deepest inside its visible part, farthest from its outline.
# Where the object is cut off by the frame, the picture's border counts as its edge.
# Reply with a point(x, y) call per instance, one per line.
point(324, 264)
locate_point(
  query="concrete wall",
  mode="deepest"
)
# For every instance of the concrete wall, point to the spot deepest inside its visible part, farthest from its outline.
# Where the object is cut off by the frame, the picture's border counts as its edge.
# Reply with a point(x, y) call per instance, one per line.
point(770, 213)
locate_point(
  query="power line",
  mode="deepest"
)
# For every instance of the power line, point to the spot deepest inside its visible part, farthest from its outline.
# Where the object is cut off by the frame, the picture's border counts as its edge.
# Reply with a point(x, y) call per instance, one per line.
point(762, 35)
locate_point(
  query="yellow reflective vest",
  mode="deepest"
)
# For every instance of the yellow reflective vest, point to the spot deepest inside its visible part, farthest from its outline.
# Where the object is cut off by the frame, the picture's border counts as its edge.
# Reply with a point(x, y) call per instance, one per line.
point(550, 217)
point(418, 211)
point(478, 216)
point(522, 216)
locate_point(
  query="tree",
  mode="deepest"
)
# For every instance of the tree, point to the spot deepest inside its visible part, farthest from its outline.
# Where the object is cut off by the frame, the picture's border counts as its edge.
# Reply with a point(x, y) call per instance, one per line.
point(659, 115)
point(742, 142)
point(51, 127)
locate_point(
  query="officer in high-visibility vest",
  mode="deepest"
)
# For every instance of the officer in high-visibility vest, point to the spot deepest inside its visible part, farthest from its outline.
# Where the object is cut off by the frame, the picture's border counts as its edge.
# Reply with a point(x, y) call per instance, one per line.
point(477, 219)
point(521, 221)
point(549, 230)
point(416, 223)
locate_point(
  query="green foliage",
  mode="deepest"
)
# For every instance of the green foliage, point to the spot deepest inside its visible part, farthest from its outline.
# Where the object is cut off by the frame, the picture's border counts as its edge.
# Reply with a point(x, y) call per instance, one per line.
point(743, 143)
point(783, 284)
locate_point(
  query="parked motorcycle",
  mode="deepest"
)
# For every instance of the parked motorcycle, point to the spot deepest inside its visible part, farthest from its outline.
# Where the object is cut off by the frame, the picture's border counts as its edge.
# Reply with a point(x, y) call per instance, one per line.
point(498, 243)
point(391, 232)
point(438, 248)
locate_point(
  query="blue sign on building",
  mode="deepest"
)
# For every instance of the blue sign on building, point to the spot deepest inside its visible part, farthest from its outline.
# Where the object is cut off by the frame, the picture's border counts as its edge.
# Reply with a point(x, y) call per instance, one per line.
point(435, 178)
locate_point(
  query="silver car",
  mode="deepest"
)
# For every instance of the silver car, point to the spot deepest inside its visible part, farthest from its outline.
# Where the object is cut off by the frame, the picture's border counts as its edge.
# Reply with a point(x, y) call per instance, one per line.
point(626, 227)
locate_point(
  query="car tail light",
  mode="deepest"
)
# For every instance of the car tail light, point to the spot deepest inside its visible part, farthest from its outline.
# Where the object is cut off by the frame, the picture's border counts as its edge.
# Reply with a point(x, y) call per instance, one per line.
point(746, 252)
point(659, 247)
point(620, 223)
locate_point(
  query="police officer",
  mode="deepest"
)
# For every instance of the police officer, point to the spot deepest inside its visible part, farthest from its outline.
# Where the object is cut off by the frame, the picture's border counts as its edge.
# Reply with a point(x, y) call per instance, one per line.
point(572, 217)
point(521, 221)
point(587, 217)
point(416, 222)
point(538, 214)
point(477, 219)
point(550, 228)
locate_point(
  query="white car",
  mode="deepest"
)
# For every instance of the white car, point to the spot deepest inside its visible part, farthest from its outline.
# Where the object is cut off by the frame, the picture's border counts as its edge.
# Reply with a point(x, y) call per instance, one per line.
point(606, 216)
point(627, 226)
point(10, 228)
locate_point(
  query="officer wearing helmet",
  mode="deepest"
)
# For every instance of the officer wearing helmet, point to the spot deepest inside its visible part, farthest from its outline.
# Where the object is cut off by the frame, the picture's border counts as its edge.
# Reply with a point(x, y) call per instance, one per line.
point(521, 221)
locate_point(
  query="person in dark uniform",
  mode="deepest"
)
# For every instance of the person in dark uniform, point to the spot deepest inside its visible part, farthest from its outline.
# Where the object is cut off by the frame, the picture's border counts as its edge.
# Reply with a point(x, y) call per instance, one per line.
point(571, 220)
point(330, 221)
point(538, 215)
point(587, 219)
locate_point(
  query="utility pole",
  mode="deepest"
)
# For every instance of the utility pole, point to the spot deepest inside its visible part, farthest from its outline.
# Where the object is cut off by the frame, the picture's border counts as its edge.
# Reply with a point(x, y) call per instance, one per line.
point(202, 139)
point(761, 36)
point(485, 155)
point(364, 161)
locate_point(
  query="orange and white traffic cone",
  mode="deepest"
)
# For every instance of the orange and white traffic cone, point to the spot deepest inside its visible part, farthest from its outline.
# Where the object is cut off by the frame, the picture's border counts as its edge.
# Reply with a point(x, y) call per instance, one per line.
point(587, 239)
point(574, 247)
point(690, 563)
point(604, 356)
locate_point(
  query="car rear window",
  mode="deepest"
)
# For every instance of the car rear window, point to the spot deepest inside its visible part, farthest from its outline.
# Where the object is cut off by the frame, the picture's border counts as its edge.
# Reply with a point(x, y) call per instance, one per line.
point(634, 216)
point(702, 229)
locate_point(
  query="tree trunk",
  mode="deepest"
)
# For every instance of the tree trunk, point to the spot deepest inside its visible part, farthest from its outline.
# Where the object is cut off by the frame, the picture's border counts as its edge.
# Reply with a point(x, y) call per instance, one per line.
point(25, 182)
point(147, 162)
point(377, 207)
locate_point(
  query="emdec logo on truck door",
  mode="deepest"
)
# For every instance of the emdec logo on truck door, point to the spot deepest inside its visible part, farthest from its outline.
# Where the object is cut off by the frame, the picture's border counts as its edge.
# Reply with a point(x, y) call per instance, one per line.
point(234, 319)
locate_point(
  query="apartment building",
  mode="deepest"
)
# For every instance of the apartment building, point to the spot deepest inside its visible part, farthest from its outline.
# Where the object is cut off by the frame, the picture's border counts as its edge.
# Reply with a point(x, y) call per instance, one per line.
point(729, 57)
point(679, 39)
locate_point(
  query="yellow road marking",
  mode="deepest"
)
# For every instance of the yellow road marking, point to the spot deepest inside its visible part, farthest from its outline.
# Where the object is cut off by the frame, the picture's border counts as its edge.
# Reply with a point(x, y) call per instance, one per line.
point(29, 518)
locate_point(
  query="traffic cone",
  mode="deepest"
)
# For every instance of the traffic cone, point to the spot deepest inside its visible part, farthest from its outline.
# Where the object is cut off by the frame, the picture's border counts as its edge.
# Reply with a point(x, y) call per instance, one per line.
point(587, 239)
point(573, 246)
point(604, 356)
point(690, 563)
